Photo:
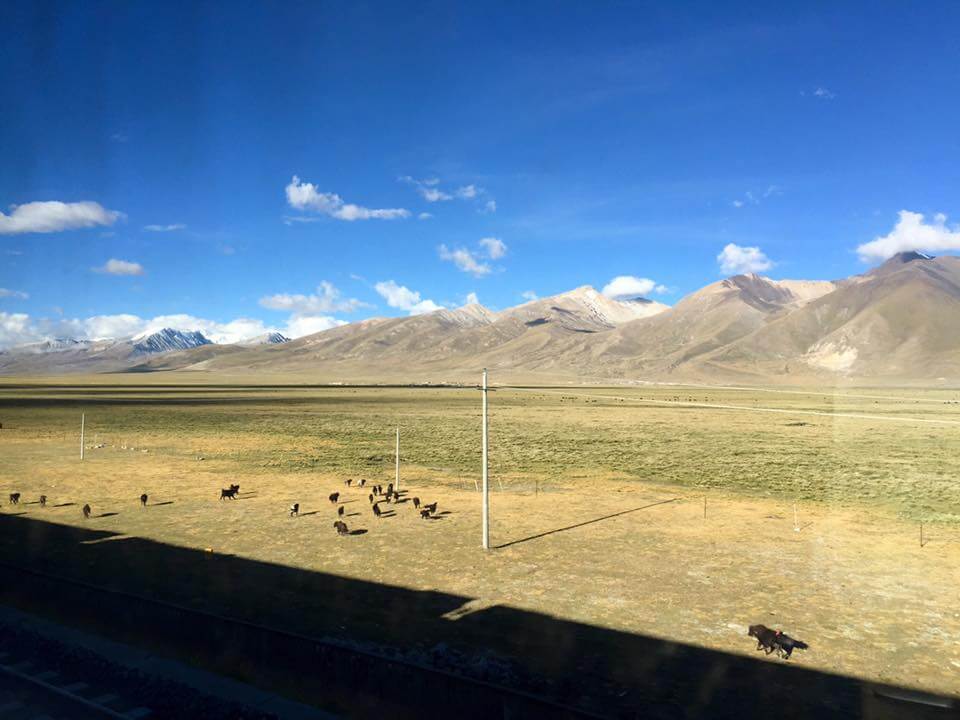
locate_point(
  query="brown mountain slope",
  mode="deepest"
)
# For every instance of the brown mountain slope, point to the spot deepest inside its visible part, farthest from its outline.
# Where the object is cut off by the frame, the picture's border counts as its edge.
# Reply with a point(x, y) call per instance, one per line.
point(899, 320)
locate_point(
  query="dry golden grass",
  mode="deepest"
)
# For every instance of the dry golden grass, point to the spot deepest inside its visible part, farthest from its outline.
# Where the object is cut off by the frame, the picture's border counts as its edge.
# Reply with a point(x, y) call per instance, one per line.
point(578, 530)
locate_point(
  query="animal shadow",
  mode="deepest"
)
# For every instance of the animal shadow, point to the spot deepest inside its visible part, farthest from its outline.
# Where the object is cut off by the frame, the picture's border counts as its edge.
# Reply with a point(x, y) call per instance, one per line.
point(312, 512)
point(106, 514)
point(68, 504)
point(165, 502)
point(387, 513)
point(357, 532)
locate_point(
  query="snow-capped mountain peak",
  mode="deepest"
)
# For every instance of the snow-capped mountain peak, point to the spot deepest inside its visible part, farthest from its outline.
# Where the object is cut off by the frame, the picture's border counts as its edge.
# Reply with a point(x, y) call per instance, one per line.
point(168, 339)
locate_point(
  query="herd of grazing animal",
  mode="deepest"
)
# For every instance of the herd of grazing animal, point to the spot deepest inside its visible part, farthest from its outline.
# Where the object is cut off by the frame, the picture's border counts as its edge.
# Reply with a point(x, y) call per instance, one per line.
point(379, 494)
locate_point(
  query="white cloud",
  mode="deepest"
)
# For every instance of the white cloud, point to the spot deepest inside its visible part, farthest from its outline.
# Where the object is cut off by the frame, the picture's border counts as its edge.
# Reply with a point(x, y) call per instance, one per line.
point(738, 203)
point(15, 294)
point(304, 196)
point(120, 267)
point(737, 260)
point(824, 94)
point(54, 216)
point(489, 207)
point(427, 189)
point(18, 328)
point(629, 286)
point(528, 295)
point(464, 260)
point(912, 233)
point(15, 329)
point(309, 324)
point(326, 300)
point(165, 228)
point(472, 299)
point(495, 247)
point(402, 298)
point(424, 216)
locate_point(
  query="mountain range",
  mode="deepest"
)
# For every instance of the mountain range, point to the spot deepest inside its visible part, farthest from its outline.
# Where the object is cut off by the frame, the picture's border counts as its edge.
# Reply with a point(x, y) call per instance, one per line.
point(900, 321)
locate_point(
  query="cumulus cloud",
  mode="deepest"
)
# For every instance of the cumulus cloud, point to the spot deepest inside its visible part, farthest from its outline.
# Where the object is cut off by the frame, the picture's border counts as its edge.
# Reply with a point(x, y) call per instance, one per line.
point(16, 329)
point(464, 260)
point(468, 192)
point(737, 260)
point(402, 298)
point(629, 286)
point(54, 216)
point(309, 324)
point(165, 228)
point(912, 232)
point(424, 216)
point(19, 328)
point(495, 247)
point(305, 196)
point(120, 267)
point(15, 294)
point(490, 206)
point(823, 94)
point(326, 300)
point(309, 313)
point(528, 295)
point(472, 299)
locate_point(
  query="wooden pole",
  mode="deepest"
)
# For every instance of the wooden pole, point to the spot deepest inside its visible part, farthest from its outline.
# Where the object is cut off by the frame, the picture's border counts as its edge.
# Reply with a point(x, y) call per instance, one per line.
point(83, 418)
point(704, 507)
point(796, 525)
point(921, 534)
point(396, 485)
point(486, 480)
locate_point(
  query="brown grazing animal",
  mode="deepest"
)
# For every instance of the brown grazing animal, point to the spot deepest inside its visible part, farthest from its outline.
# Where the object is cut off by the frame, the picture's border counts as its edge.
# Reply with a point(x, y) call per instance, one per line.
point(390, 489)
point(334, 497)
point(341, 527)
point(228, 493)
point(14, 498)
point(766, 638)
point(235, 488)
point(348, 482)
point(416, 503)
point(86, 512)
point(376, 510)
point(340, 510)
point(432, 507)
point(786, 644)
point(370, 498)
point(362, 482)
point(425, 514)
point(143, 500)
point(295, 509)
point(43, 501)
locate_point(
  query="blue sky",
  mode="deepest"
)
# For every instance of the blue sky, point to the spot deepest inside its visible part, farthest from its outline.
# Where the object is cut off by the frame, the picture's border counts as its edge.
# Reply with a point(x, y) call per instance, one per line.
point(592, 140)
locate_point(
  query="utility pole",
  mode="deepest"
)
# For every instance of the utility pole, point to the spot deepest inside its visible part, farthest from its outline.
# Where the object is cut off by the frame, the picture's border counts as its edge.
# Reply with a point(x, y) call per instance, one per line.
point(83, 418)
point(486, 484)
point(396, 485)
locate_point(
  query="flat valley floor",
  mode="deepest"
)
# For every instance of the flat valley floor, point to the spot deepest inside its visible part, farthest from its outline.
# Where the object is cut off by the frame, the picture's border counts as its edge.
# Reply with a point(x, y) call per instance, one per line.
point(682, 513)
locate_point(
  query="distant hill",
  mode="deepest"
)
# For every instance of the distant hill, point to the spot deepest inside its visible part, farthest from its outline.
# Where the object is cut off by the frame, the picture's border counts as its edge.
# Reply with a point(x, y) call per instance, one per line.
point(899, 321)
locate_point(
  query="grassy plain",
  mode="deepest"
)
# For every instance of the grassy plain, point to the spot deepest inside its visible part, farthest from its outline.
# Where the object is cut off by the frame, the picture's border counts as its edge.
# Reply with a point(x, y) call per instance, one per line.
point(577, 475)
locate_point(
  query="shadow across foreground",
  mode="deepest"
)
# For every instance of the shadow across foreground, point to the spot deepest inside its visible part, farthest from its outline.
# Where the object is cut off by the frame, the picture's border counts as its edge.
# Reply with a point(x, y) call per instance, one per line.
point(605, 672)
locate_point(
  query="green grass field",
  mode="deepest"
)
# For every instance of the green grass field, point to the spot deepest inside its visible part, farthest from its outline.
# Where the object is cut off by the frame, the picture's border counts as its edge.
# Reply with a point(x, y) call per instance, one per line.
point(539, 439)
point(864, 468)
